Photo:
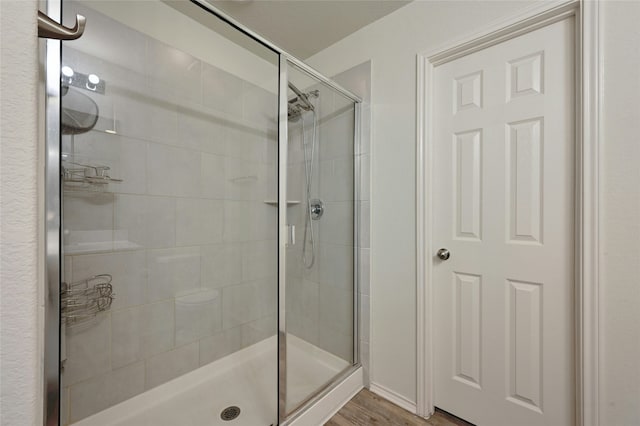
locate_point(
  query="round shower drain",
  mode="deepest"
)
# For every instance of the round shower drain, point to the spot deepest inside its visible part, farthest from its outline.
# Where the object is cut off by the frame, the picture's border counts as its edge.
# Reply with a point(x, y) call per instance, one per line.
point(230, 413)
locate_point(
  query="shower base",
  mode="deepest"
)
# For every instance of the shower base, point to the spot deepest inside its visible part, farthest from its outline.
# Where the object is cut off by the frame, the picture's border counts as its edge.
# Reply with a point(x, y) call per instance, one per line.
point(246, 379)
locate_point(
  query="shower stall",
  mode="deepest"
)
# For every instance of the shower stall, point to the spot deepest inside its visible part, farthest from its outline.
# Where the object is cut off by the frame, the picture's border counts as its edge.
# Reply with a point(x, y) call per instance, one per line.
point(202, 231)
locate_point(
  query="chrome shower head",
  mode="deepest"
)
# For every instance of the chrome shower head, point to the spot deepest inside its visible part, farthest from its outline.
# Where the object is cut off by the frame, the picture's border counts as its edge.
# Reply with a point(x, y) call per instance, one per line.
point(300, 103)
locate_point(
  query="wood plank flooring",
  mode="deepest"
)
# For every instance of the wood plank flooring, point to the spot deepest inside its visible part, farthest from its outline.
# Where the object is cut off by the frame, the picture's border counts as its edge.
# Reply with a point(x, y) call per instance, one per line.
point(367, 409)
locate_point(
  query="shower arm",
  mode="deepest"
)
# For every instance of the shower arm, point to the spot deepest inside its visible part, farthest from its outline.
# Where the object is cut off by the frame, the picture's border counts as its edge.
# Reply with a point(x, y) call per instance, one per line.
point(304, 98)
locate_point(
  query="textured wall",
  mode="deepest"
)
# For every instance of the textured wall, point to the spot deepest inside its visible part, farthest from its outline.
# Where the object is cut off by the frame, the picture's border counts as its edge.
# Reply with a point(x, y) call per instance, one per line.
point(20, 389)
point(620, 216)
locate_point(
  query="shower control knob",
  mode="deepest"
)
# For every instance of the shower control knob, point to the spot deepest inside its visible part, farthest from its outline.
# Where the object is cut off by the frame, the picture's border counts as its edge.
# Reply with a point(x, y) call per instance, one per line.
point(316, 208)
point(443, 254)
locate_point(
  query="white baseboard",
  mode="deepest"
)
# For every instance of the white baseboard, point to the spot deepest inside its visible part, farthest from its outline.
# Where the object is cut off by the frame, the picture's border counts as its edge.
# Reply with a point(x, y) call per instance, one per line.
point(320, 412)
point(394, 397)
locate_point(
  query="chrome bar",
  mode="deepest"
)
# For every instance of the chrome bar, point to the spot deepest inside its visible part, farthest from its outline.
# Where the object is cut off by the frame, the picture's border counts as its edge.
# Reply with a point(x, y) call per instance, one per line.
point(282, 237)
point(49, 28)
point(53, 250)
point(306, 68)
point(357, 196)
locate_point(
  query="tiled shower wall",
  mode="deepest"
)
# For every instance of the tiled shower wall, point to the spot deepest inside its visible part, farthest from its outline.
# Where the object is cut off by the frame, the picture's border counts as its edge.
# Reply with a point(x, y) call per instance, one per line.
point(358, 80)
point(187, 235)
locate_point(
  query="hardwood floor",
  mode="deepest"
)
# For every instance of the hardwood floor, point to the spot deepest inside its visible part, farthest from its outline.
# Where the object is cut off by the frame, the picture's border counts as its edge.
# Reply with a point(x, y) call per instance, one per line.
point(367, 408)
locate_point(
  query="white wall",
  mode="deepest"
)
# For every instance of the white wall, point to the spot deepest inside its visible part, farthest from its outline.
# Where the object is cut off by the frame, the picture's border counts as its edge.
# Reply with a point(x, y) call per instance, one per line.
point(20, 280)
point(620, 217)
point(392, 44)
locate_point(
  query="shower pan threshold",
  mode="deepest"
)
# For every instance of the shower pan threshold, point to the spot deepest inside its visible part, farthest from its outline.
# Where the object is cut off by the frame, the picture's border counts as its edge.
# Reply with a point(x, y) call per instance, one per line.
point(246, 379)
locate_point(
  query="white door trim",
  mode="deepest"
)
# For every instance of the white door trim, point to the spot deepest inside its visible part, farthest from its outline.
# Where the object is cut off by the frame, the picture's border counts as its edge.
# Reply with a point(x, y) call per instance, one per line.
point(588, 88)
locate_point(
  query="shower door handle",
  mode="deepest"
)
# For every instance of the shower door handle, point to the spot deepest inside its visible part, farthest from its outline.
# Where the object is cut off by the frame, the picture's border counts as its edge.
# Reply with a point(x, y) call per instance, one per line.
point(48, 28)
point(291, 235)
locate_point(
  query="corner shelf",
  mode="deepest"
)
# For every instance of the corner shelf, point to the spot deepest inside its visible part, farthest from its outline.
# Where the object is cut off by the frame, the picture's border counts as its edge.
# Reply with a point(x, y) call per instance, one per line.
point(275, 202)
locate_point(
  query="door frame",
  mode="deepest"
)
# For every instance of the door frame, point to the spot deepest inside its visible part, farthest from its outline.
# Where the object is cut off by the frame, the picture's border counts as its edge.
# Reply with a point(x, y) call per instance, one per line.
point(586, 187)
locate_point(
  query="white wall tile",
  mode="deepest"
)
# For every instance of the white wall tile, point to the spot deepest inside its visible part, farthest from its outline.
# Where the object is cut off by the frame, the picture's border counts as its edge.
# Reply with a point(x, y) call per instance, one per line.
point(336, 179)
point(336, 136)
point(336, 225)
point(336, 309)
point(173, 72)
point(141, 332)
point(64, 405)
point(249, 221)
point(126, 46)
point(68, 269)
point(198, 221)
point(303, 305)
point(259, 260)
point(169, 365)
point(201, 129)
point(103, 391)
point(365, 177)
point(198, 314)
point(365, 360)
point(124, 156)
point(246, 143)
point(336, 266)
point(295, 262)
point(221, 90)
point(364, 318)
point(132, 167)
point(95, 148)
point(364, 270)
point(247, 302)
point(128, 270)
point(146, 221)
point(173, 171)
point(258, 330)
point(88, 211)
point(326, 100)
point(265, 221)
point(365, 224)
point(260, 107)
point(244, 180)
point(237, 215)
point(142, 115)
point(337, 343)
point(173, 271)
point(219, 345)
point(365, 130)
point(221, 265)
point(88, 349)
point(213, 178)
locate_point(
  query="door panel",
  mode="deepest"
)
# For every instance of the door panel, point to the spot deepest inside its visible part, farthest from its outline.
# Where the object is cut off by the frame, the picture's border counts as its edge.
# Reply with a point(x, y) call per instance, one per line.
point(319, 279)
point(503, 196)
point(168, 157)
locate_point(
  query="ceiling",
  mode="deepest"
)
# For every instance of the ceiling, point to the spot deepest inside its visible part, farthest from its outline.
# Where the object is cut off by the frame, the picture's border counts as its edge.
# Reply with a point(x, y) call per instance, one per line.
point(305, 27)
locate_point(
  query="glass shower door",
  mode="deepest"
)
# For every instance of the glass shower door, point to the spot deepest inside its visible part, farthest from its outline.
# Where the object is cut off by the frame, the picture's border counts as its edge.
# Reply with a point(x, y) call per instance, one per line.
point(169, 158)
point(319, 287)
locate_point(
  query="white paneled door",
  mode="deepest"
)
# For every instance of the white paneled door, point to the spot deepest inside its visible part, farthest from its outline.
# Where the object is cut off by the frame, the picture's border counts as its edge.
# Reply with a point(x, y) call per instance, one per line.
point(503, 207)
